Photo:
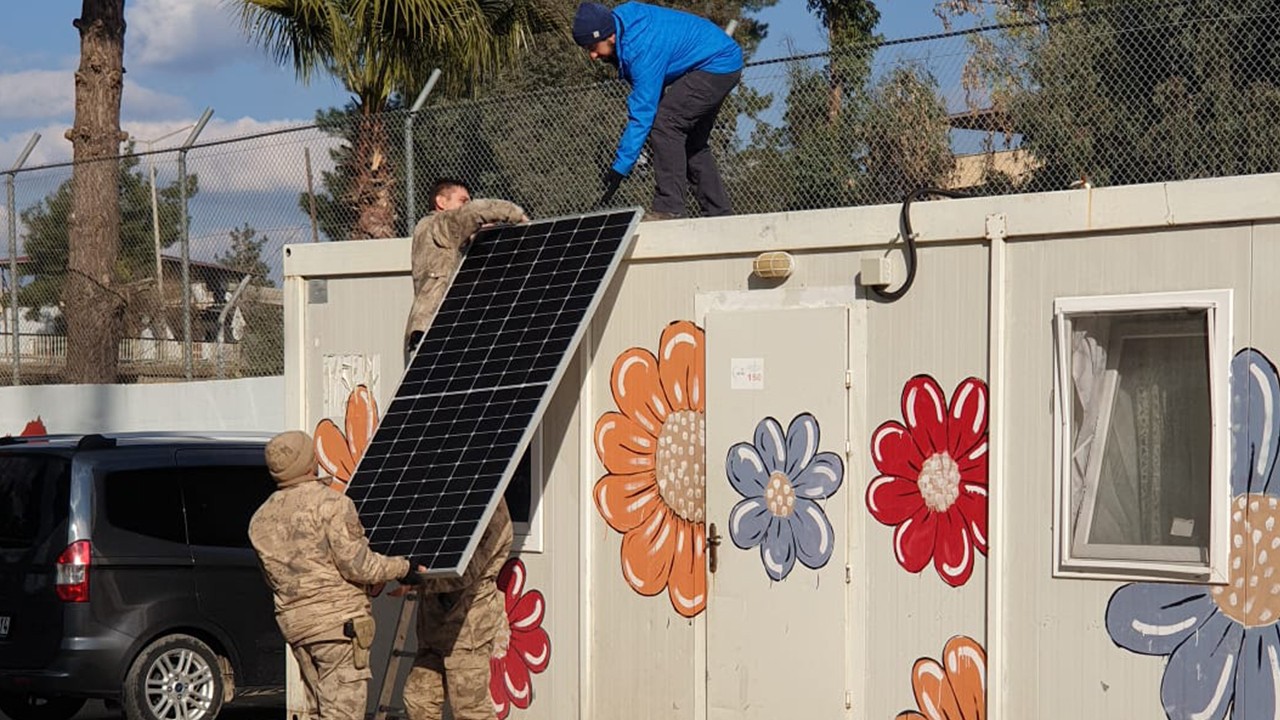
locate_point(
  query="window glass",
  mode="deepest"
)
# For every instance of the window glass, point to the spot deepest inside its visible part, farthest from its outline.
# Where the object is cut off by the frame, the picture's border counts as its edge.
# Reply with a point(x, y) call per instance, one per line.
point(519, 494)
point(33, 497)
point(221, 500)
point(146, 502)
point(1141, 435)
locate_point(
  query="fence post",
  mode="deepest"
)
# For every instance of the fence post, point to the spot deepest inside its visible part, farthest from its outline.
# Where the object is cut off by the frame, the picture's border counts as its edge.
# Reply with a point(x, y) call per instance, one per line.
point(13, 256)
point(187, 360)
point(411, 214)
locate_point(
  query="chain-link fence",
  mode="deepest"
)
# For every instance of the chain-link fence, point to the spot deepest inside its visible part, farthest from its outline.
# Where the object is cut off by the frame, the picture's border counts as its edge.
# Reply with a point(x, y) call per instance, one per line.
point(1130, 93)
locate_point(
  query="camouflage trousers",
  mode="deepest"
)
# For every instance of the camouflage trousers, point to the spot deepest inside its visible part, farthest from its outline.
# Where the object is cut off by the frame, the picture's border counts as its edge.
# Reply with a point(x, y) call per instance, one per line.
point(335, 689)
point(461, 678)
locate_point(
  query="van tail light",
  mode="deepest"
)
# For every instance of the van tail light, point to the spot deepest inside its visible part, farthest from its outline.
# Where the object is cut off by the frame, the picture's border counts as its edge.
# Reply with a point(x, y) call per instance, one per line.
point(72, 576)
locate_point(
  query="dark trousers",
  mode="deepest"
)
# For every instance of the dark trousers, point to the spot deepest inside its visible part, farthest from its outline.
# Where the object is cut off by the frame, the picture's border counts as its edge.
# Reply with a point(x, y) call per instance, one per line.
point(681, 153)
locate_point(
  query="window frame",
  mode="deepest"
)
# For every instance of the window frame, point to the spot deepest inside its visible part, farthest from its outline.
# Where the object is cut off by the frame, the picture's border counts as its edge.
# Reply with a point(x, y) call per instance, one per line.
point(527, 536)
point(1147, 562)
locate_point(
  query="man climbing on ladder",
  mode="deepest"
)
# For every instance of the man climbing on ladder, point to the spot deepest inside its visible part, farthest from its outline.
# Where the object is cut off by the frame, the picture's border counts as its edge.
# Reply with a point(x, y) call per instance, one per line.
point(439, 240)
point(462, 622)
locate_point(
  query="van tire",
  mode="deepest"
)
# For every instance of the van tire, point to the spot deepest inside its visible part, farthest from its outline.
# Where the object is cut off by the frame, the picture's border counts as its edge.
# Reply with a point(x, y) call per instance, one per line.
point(31, 707)
point(174, 670)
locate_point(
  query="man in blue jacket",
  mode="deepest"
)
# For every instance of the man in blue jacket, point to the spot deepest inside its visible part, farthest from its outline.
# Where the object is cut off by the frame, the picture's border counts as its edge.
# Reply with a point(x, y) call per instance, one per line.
point(681, 67)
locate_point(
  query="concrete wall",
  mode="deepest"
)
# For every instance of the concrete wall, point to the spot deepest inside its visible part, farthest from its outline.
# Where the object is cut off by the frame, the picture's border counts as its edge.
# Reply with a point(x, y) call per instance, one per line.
point(250, 404)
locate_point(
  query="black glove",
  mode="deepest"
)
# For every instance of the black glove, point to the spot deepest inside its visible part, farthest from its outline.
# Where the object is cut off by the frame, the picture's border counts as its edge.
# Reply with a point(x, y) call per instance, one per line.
point(612, 179)
point(411, 344)
point(413, 577)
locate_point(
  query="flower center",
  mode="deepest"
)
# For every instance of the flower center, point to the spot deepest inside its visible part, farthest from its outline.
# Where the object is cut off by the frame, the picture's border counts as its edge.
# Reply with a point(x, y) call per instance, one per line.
point(939, 482)
point(779, 495)
point(678, 466)
point(1251, 596)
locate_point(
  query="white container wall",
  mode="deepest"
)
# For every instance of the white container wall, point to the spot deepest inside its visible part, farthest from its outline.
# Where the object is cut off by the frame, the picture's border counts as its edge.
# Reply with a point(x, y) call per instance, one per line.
point(777, 498)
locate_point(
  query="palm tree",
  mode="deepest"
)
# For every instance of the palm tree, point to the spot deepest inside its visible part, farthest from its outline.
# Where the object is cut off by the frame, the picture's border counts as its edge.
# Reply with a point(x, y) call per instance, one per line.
point(381, 48)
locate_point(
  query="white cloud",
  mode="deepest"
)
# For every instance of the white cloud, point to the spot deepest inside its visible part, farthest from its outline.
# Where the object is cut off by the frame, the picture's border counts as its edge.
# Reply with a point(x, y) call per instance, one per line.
point(187, 35)
point(37, 94)
point(145, 103)
point(53, 146)
point(44, 94)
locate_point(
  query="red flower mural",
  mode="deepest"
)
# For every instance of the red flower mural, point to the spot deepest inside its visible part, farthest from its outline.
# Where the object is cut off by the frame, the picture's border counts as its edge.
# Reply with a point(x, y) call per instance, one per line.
point(530, 648)
point(933, 477)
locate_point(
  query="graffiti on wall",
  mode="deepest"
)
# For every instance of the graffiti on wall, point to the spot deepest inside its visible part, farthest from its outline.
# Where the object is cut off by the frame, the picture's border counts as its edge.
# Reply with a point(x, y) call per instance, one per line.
point(1222, 641)
point(932, 486)
point(954, 689)
point(781, 478)
point(653, 451)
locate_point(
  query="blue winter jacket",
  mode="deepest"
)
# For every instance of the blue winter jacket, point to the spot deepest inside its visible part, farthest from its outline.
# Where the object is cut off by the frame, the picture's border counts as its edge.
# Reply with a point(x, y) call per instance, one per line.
point(656, 46)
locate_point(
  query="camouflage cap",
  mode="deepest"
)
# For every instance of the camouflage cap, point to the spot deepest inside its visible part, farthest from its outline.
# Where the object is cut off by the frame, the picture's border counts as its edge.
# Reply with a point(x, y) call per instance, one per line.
point(291, 458)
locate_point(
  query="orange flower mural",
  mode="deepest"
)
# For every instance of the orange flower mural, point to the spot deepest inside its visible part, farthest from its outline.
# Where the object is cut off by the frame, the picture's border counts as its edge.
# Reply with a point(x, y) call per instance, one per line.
point(340, 452)
point(653, 451)
point(956, 688)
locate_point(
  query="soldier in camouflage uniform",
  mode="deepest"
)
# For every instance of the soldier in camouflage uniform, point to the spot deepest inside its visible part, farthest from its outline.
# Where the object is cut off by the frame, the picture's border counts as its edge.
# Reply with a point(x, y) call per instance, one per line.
point(438, 242)
point(318, 565)
point(462, 622)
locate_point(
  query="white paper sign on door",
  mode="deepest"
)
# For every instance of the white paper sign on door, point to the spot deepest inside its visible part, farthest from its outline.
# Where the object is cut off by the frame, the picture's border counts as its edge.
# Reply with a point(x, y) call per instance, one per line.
point(747, 374)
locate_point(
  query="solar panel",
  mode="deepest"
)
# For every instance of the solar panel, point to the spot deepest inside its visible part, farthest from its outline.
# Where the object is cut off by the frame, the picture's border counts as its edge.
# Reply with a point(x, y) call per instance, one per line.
point(476, 388)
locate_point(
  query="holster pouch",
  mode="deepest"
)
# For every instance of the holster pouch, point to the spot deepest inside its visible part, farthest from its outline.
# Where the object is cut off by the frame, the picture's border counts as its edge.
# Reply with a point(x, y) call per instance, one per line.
point(360, 630)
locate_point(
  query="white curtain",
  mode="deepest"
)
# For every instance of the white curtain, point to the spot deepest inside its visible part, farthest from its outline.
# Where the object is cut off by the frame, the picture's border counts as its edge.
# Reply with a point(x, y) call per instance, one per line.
point(1149, 486)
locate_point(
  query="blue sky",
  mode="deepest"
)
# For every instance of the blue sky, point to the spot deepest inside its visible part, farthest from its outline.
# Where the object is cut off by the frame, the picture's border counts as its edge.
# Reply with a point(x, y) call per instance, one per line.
point(184, 55)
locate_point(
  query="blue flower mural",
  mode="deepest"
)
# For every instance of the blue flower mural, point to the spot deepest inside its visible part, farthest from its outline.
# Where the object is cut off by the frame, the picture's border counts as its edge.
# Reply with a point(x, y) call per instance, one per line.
point(1222, 642)
point(781, 478)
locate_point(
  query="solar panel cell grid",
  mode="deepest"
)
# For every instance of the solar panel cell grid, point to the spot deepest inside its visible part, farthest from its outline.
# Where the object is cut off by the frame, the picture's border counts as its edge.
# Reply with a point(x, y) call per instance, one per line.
point(467, 405)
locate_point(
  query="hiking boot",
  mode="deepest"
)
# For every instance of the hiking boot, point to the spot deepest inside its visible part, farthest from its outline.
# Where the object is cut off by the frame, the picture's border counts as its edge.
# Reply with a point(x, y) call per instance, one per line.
point(653, 215)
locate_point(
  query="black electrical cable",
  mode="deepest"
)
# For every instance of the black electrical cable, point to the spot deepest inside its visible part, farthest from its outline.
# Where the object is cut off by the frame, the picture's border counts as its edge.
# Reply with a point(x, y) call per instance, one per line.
point(909, 239)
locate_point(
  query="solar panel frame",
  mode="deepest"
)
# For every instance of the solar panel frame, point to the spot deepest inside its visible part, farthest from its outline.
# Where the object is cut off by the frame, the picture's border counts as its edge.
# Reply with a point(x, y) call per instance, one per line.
point(387, 537)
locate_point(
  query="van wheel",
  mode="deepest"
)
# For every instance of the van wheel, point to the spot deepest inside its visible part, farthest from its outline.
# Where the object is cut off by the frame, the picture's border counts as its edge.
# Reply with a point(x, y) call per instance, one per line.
point(31, 707)
point(174, 678)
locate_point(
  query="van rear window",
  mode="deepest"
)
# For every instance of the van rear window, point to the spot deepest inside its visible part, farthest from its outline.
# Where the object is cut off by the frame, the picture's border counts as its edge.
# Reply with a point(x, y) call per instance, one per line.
point(34, 494)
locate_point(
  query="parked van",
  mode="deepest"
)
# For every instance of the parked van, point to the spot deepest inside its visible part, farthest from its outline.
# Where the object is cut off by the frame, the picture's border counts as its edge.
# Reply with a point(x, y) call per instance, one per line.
point(126, 574)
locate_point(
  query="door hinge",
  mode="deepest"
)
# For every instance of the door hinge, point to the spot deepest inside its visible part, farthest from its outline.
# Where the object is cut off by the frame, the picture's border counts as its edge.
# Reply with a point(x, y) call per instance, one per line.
point(848, 379)
point(848, 699)
point(848, 449)
point(848, 574)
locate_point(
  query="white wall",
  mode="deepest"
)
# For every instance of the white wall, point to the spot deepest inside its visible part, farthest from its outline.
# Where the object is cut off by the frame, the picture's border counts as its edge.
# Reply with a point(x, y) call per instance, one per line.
point(250, 404)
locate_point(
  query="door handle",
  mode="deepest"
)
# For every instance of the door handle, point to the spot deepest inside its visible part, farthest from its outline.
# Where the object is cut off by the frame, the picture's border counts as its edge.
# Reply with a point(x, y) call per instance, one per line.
point(713, 548)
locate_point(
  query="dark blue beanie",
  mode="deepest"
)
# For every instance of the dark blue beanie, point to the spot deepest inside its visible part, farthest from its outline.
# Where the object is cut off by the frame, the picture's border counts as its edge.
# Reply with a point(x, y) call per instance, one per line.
point(592, 23)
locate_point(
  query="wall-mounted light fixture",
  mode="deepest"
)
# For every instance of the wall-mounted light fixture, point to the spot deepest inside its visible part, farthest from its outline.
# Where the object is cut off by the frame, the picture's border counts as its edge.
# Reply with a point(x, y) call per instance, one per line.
point(773, 265)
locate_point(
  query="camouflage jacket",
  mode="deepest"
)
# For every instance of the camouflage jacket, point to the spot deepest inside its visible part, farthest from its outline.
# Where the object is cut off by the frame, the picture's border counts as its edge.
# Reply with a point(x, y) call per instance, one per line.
point(316, 559)
point(438, 241)
point(461, 614)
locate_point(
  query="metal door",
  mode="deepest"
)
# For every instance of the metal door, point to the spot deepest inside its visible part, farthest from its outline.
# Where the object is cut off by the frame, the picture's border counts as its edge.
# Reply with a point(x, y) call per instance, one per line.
point(777, 438)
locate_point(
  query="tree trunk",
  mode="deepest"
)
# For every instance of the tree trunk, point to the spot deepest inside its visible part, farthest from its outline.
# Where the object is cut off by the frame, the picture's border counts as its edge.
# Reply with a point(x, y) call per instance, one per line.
point(375, 180)
point(93, 305)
